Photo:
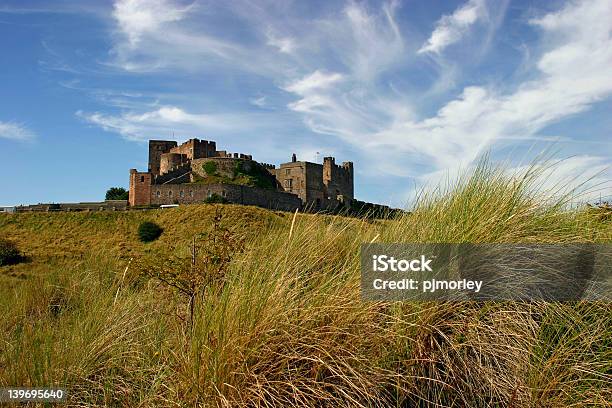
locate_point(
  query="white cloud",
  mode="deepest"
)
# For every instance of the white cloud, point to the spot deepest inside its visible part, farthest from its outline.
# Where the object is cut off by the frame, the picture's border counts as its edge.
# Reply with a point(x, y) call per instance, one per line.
point(260, 102)
point(166, 121)
point(138, 17)
point(450, 28)
point(160, 34)
point(15, 131)
point(285, 45)
point(374, 42)
point(316, 81)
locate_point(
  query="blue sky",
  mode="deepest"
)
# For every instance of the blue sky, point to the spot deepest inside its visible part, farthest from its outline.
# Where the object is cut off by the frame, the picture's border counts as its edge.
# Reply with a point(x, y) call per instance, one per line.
point(410, 91)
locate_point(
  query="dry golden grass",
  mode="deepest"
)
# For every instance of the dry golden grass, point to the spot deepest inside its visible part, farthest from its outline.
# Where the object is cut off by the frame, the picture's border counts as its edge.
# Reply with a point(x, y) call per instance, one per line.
point(288, 328)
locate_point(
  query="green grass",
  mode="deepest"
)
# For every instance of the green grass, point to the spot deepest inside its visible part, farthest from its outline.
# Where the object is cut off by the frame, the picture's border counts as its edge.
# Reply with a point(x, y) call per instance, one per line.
point(288, 327)
point(257, 176)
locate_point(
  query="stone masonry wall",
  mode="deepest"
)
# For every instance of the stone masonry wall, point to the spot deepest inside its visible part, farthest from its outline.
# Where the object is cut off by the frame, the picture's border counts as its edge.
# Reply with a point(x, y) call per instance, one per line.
point(237, 194)
point(338, 180)
point(140, 188)
point(156, 149)
point(196, 148)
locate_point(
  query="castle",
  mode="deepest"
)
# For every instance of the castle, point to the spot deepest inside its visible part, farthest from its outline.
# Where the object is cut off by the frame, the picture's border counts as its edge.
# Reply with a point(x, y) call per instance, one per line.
point(196, 171)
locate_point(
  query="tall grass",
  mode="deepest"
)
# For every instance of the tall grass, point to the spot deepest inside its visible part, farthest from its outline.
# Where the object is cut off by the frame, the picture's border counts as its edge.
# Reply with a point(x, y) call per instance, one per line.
point(288, 327)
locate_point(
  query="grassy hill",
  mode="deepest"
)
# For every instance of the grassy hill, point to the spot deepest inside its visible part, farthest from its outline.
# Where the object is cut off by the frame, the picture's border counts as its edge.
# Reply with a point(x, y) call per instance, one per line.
point(285, 325)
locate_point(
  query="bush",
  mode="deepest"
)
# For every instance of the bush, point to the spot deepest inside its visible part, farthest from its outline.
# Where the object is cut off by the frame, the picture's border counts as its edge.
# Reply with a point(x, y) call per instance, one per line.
point(215, 198)
point(149, 231)
point(256, 175)
point(117, 193)
point(9, 254)
point(210, 168)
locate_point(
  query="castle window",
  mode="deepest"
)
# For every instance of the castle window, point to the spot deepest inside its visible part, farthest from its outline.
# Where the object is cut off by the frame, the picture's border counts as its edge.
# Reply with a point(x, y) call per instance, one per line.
point(142, 179)
point(182, 193)
point(158, 193)
point(170, 193)
point(190, 193)
point(223, 193)
point(289, 183)
point(288, 172)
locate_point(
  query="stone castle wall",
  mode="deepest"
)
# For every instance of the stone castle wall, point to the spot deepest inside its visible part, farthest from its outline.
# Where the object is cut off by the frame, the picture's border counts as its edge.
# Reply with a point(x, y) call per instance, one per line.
point(196, 148)
point(170, 161)
point(108, 205)
point(237, 194)
point(176, 175)
point(140, 188)
point(156, 149)
point(338, 180)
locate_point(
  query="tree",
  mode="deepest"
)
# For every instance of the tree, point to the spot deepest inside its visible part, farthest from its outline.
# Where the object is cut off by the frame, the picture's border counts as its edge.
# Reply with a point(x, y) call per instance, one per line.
point(205, 269)
point(117, 193)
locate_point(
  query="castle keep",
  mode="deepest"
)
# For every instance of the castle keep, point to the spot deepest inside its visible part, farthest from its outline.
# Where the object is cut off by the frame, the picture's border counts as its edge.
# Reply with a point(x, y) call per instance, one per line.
point(196, 171)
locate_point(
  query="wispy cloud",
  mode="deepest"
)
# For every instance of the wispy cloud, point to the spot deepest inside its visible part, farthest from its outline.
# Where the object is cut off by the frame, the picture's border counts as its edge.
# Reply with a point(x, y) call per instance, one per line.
point(316, 81)
point(339, 72)
point(450, 28)
point(572, 74)
point(136, 18)
point(15, 131)
point(260, 102)
point(139, 126)
point(285, 45)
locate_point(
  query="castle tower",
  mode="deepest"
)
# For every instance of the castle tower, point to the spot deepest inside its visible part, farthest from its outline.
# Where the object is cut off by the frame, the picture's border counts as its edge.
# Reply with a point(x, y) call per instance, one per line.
point(328, 166)
point(349, 177)
point(337, 180)
point(156, 149)
point(140, 188)
point(170, 161)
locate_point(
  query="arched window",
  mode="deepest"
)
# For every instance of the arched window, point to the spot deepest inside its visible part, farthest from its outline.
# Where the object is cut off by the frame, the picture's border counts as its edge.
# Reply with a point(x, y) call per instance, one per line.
point(158, 193)
point(182, 193)
point(169, 193)
point(190, 193)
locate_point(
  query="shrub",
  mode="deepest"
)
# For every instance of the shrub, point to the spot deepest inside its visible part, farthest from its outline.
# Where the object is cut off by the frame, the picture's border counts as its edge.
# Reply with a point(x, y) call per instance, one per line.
point(256, 175)
point(215, 198)
point(9, 253)
point(206, 266)
point(149, 231)
point(210, 168)
point(117, 193)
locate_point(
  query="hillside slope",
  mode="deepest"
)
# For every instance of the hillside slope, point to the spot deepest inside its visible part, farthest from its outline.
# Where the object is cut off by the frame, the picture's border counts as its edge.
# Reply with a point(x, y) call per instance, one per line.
point(284, 323)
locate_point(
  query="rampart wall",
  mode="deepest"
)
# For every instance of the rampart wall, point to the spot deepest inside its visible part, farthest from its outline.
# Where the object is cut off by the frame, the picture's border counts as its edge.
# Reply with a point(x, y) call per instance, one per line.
point(233, 193)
